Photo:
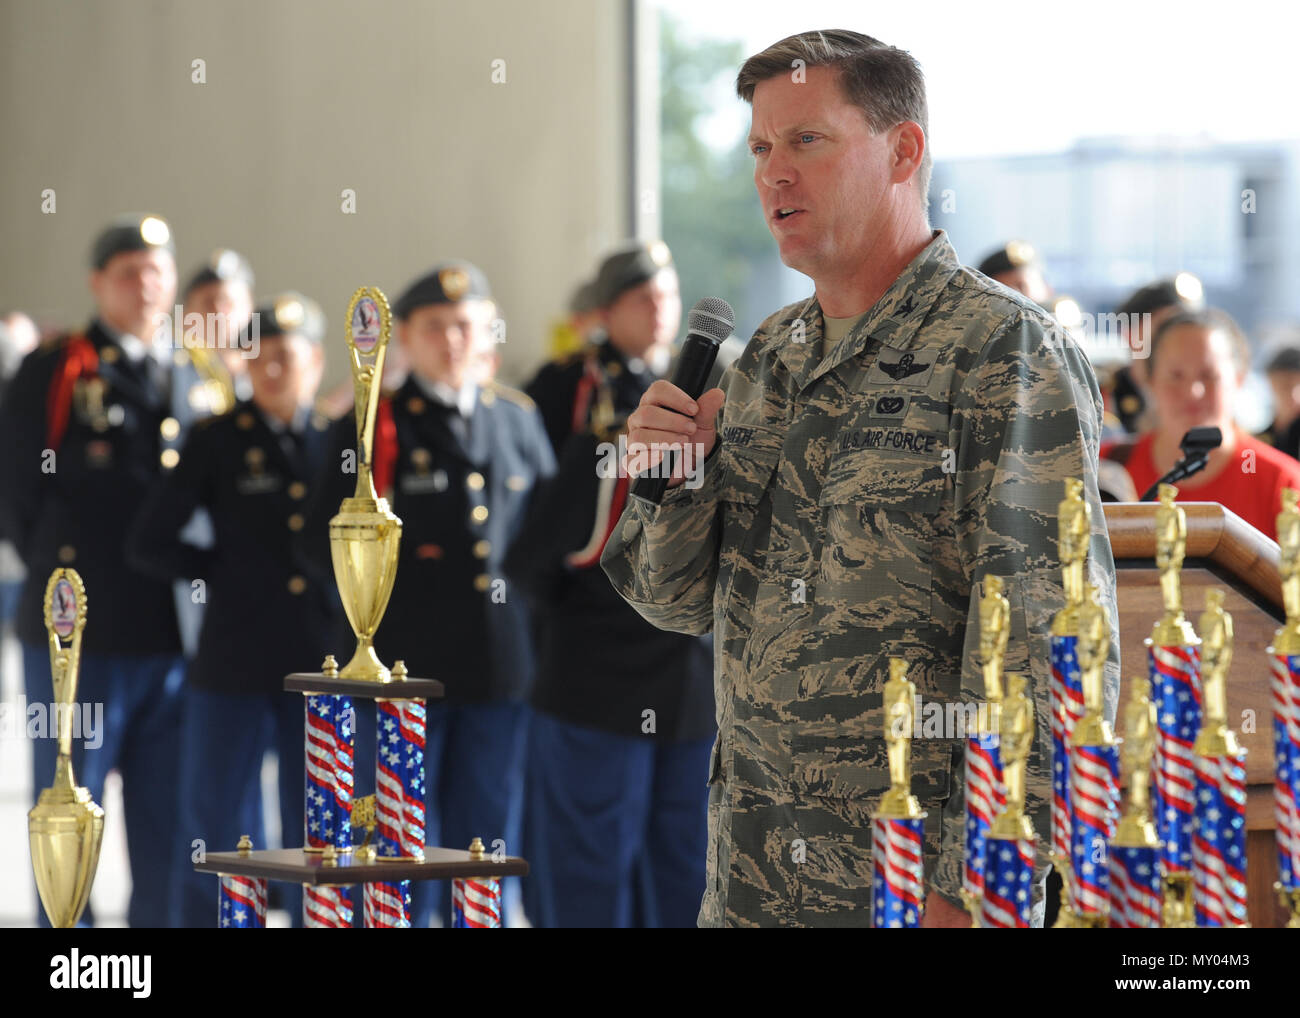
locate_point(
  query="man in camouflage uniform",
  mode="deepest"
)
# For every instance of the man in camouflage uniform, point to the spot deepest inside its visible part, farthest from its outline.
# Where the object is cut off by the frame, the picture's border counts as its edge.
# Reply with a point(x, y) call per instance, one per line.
point(855, 496)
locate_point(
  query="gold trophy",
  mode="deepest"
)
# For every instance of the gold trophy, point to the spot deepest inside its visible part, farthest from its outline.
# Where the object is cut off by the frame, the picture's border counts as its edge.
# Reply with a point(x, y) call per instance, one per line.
point(1074, 532)
point(1016, 740)
point(995, 628)
point(899, 803)
point(1136, 828)
point(365, 534)
point(65, 827)
point(1286, 643)
point(1172, 630)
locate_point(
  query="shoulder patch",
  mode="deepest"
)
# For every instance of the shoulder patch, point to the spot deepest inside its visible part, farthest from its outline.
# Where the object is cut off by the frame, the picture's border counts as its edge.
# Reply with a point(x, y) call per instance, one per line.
point(513, 395)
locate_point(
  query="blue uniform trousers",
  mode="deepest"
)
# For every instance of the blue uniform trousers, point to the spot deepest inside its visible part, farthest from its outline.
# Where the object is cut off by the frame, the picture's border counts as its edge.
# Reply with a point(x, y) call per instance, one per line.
point(474, 757)
point(140, 700)
point(615, 827)
point(225, 737)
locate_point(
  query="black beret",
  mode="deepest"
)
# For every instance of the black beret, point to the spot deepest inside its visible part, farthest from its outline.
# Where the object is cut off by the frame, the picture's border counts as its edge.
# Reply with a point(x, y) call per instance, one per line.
point(1183, 290)
point(584, 298)
point(629, 267)
point(224, 266)
point(1013, 254)
point(1285, 359)
point(137, 231)
point(290, 312)
point(447, 283)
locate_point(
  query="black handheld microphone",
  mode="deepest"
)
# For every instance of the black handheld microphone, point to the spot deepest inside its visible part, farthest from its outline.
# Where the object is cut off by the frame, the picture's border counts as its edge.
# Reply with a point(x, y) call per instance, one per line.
point(708, 324)
point(1196, 446)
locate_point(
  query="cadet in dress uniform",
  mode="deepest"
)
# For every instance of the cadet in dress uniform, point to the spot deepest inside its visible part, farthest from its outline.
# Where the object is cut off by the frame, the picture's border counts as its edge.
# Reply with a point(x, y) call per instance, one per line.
point(619, 744)
point(91, 419)
point(458, 457)
point(250, 469)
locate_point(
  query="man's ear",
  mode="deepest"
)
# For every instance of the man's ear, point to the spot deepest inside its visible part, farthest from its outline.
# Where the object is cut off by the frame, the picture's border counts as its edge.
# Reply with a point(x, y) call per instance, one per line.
point(909, 149)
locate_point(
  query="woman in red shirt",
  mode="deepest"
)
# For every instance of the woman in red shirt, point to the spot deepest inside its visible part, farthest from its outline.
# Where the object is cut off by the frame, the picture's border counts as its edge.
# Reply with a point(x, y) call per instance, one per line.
point(1198, 360)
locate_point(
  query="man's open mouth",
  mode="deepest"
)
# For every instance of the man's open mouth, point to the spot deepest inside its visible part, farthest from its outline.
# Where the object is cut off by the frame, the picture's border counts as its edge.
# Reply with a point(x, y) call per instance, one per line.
point(786, 212)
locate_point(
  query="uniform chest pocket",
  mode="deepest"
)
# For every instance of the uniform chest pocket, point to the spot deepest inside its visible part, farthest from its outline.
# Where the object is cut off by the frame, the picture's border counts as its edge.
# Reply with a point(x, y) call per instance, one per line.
point(749, 458)
point(881, 510)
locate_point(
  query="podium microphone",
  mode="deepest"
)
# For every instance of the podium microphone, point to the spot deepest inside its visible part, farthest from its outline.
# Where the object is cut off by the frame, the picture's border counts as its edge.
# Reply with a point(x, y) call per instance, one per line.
point(708, 324)
point(1196, 445)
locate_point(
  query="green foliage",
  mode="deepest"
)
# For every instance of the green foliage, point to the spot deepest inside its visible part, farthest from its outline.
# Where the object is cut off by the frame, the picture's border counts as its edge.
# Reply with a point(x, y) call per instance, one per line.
point(712, 219)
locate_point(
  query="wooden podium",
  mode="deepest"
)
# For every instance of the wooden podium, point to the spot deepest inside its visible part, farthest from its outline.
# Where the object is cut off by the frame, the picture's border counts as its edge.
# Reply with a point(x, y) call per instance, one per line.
point(1222, 551)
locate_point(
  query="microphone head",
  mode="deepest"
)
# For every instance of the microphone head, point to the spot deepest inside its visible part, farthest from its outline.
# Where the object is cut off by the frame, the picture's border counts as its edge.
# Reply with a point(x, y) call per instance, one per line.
point(712, 317)
point(1201, 440)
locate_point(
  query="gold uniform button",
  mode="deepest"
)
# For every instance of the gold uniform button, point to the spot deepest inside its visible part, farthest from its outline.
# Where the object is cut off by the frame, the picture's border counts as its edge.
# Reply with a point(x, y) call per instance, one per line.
point(297, 490)
point(482, 548)
point(67, 554)
point(169, 458)
point(295, 521)
point(482, 581)
point(487, 397)
point(170, 428)
point(297, 584)
point(244, 421)
point(179, 358)
point(474, 481)
point(109, 355)
point(517, 482)
point(415, 405)
point(480, 514)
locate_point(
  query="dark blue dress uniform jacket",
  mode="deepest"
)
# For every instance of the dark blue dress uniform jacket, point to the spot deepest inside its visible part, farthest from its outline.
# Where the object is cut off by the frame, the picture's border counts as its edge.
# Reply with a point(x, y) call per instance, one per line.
point(601, 664)
point(461, 488)
point(76, 507)
point(267, 615)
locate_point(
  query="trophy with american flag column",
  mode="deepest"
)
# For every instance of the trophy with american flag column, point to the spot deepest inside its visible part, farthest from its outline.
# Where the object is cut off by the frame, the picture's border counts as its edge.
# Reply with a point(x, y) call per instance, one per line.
point(898, 826)
point(985, 792)
point(1009, 868)
point(1284, 658)
point(1219, 836)
point(1136, 894)
point(1094, 773)
point(1074, 531)
point(1174, 664)
point(364, 537)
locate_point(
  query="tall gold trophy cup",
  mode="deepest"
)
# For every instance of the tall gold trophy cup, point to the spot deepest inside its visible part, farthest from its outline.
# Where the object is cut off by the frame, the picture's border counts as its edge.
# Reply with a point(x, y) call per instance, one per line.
point(365, 534)
point(65, 828)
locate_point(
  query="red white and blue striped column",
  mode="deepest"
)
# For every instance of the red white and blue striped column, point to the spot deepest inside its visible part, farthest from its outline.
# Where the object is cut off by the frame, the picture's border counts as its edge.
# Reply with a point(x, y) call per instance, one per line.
point(986, 797)
point(1176, 690)
point(1067, 709)
point(399, 806)
point(1008, 884)
point(898, 882)
point(1219, 842)
point(1285, 686)
point(241, 903)
point(476, 903)
point(329, 803)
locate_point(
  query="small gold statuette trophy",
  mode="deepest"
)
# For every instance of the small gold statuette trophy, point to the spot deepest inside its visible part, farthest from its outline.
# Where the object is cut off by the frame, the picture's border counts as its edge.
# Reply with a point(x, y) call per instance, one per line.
point(1136, 895)
point(1074, 532)
point(1219, 849)
point(1174, 665)
point(365, 534)
point(1094, 773)
point(66, 827)
point(985, 792)
point(1009, 868)
point(1284, 657)
point(898, 827)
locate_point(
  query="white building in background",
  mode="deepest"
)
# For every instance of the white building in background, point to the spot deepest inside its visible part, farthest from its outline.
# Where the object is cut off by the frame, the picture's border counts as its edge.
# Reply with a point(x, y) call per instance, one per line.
point(1109, 215)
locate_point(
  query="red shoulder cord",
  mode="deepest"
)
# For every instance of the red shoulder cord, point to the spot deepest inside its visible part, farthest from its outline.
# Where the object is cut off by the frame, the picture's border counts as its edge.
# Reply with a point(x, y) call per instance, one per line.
point(384, 458)
point(79, 360)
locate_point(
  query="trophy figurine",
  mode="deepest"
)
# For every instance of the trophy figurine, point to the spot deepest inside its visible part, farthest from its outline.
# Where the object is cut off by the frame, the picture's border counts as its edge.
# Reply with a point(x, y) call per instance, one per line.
point(985, 792)
point(1074, 531)
point(898, 827)
point(1174, 665)
point(1094, 773)
point(1135, 888)
point(365, 534)
point(65, 828)
point(1219, 848)
point(1009, 866)
point(1285, 681)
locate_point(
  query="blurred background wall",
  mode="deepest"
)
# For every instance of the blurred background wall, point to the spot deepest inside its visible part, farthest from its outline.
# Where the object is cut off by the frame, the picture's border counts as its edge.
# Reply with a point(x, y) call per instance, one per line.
point(531, 177)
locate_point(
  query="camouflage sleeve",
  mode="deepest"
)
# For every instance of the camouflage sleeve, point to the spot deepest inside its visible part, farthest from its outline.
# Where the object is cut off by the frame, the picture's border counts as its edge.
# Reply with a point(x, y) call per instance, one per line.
point(1028, 417)
point(663, 559)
